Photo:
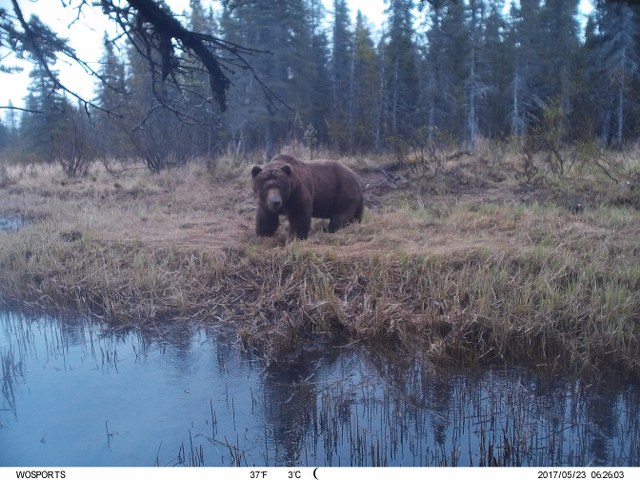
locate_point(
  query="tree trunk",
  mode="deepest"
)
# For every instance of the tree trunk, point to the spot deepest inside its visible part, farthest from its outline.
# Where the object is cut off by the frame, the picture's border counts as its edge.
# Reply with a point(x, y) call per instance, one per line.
point(620, 113)
point(381, 102)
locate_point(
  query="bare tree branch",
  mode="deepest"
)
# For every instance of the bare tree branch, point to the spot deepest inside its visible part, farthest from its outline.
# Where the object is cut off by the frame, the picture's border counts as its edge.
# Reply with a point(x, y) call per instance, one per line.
point(11, 107)
point(157, 35)
point(33, 43)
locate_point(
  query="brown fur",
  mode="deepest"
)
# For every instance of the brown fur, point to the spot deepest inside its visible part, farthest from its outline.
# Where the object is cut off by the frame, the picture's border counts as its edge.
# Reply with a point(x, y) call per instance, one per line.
point(301, 190)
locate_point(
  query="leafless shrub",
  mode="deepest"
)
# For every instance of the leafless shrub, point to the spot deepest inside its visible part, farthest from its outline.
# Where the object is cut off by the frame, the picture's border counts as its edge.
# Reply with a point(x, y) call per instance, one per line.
point(543, 147)
point(417, 155)
point(73, 145)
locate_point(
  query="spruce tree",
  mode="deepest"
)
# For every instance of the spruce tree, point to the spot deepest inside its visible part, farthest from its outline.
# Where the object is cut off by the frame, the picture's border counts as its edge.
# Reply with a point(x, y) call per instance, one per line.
point(341, 77)
point(4, 136)
point(401, 69)
point(436, 86)
point(365, 81)
point(263, 111)
point(112, 97)
point(614, 56)
point(454, 69)
point(498, 57)
point(526, 99)
point(45, 118)
point(475, 87)
point(203, 128)
point(319, 101)
point(559, 43)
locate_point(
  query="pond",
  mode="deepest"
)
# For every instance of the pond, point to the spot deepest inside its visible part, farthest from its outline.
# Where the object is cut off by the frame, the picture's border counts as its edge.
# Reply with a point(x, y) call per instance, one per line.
point(75, 393)
point(11, 222)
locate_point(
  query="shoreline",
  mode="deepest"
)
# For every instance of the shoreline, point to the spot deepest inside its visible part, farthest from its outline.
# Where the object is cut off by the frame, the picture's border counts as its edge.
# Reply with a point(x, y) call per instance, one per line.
point(467, 282)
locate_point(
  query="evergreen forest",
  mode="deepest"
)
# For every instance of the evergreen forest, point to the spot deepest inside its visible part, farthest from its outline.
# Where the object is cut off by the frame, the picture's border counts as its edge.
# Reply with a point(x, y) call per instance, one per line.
point(441, 73)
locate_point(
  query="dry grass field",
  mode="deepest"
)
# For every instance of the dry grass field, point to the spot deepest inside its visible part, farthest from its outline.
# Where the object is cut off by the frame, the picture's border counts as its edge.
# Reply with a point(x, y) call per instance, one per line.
point(466, 266)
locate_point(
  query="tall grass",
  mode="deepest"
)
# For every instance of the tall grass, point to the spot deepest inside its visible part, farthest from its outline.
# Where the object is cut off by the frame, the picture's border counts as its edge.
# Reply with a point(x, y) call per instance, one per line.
point(465, 281)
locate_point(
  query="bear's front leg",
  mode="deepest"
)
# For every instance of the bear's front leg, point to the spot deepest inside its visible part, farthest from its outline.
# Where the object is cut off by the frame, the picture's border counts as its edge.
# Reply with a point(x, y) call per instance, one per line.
point(299, 224)
point(266, 223)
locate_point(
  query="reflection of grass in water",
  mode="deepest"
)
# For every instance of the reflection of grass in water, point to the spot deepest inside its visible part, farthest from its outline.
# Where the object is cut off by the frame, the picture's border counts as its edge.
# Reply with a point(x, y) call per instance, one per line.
point(12, 357)
point(380, 412)
point(367, 409)
point(195, 457)
point(486, 420)
point(10, 370)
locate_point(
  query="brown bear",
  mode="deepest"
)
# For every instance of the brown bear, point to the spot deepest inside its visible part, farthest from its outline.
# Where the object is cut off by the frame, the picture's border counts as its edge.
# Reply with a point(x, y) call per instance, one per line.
point(301, 190)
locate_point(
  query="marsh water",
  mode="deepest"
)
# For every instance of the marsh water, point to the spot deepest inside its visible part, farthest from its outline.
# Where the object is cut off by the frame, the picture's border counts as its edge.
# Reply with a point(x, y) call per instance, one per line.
point(10, 222)
point(77, 393)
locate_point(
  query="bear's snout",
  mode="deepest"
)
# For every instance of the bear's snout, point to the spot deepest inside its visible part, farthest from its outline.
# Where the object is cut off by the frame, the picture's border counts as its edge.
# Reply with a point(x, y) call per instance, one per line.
point(274, 200)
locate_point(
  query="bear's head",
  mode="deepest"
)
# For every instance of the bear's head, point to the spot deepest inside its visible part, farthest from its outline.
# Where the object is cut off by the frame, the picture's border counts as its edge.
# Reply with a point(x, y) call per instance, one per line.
point(272, 185)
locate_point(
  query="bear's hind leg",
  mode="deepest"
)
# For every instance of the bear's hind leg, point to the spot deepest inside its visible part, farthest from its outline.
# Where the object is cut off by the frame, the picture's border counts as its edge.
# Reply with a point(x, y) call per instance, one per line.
point(359, 210)
point(340, 220)
point(336, 222)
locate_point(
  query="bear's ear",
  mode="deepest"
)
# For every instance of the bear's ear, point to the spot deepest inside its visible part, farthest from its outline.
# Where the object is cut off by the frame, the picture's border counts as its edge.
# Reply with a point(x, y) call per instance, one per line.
point(255, 171)
point(286, 169)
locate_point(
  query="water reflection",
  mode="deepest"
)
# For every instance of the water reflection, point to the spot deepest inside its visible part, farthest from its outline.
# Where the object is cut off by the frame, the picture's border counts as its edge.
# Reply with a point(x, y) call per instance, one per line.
point(10, 222)
point(76, 393)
